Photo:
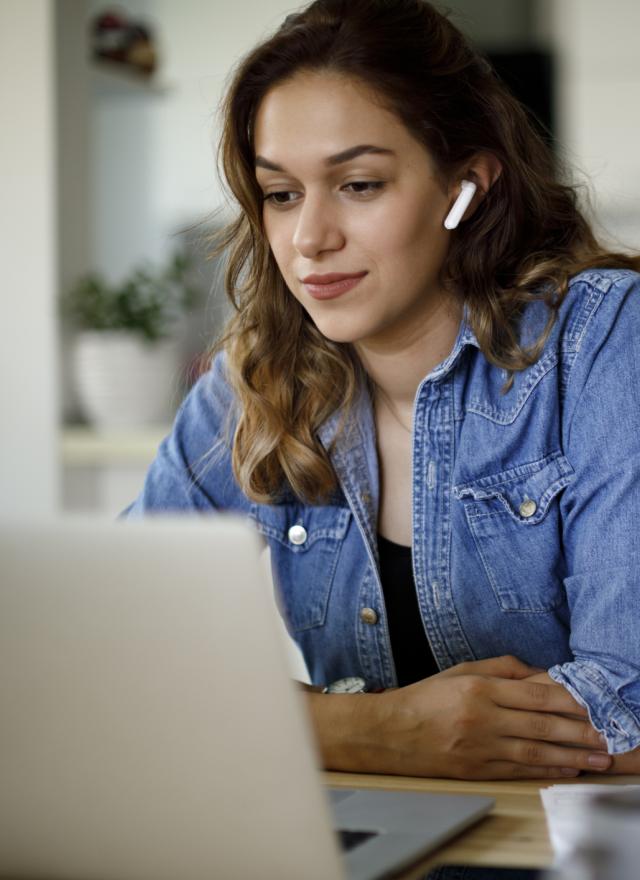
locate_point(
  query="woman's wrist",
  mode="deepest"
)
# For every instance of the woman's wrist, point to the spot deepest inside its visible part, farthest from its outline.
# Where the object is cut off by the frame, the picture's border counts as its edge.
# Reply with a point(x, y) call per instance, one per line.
point(349, 729)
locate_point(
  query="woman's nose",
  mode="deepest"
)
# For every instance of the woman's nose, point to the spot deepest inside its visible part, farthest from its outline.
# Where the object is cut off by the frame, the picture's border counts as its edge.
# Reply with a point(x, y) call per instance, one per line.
point(318, 227)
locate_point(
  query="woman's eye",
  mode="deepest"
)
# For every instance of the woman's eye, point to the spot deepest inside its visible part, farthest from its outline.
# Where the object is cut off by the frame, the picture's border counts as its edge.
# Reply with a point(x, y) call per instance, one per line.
point(357, 187)
point(276, 197)
point(366, 186)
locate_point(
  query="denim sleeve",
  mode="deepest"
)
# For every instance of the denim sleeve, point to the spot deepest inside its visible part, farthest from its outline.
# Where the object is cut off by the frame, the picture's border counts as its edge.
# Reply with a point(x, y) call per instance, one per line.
point(192, 470)
point(600, 510)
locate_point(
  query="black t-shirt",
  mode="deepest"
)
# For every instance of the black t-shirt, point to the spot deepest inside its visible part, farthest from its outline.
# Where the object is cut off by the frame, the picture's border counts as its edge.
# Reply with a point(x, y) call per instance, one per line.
point(412, 653)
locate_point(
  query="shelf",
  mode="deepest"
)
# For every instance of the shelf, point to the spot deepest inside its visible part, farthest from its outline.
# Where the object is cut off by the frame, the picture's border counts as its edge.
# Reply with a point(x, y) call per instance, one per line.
point(82, 446)
point(116, 80)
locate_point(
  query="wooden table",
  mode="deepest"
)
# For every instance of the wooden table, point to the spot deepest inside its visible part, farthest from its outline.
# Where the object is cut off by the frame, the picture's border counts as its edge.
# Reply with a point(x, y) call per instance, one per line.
point(513, 835)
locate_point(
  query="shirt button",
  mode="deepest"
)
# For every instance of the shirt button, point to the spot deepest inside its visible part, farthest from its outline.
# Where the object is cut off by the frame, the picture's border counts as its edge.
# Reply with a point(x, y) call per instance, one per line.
point(528, 508)
point(368, 615)
point(297, 534)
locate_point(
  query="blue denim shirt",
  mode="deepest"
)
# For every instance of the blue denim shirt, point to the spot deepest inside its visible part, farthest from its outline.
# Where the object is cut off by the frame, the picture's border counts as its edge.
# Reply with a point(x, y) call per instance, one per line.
point(525, 510)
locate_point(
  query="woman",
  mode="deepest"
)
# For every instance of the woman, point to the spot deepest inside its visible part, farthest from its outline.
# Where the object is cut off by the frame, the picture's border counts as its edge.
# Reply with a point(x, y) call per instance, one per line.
point(426, 403)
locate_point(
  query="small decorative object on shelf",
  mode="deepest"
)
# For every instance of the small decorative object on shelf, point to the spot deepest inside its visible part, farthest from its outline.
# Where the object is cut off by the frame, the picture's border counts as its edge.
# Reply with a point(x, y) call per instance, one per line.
point(127, 359)
point(121, 41)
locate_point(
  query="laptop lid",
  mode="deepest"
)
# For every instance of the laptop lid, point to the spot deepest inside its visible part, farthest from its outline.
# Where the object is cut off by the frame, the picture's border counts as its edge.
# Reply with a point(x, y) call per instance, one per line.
point(148, 727)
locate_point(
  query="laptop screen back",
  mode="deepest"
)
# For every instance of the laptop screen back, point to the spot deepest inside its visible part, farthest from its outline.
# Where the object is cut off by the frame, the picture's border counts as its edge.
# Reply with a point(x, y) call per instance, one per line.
point(149, 728)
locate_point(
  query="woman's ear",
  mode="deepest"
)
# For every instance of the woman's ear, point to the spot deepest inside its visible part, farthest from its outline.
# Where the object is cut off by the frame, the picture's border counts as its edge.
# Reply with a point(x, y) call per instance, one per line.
point(483, 170)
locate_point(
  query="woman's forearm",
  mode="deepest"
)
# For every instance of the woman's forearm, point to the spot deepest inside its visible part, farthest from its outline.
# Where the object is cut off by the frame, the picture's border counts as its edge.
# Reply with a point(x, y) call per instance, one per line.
point(480, 720)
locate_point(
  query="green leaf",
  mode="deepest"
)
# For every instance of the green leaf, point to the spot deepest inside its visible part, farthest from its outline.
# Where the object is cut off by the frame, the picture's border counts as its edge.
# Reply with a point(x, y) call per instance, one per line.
point(149, 302)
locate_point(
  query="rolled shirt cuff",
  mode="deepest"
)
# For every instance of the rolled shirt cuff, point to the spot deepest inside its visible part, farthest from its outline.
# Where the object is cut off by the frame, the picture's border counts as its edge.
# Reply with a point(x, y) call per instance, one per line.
point(588, 683)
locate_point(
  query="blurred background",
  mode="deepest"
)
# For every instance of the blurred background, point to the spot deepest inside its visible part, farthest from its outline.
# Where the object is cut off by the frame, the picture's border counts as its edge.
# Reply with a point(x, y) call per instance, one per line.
point(109, 192)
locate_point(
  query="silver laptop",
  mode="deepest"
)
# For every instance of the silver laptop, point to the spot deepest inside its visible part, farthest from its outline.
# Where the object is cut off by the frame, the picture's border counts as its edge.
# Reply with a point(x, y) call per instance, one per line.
point(149, 728)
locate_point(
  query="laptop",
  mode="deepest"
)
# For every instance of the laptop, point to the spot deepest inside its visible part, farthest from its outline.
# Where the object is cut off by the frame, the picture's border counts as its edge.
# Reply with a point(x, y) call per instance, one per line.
point(149, 727)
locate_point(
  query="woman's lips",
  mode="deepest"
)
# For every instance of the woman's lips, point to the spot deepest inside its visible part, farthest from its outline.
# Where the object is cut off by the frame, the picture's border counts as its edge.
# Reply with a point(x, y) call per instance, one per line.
point(333, 289)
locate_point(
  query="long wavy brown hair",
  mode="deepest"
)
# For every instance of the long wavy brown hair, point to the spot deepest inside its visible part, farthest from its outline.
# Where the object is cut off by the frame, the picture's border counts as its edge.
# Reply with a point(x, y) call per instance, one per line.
point(526, 239)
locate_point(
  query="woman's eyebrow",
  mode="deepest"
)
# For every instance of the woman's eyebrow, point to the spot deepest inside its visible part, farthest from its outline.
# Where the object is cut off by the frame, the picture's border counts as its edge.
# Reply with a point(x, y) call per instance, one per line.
point(337, 159)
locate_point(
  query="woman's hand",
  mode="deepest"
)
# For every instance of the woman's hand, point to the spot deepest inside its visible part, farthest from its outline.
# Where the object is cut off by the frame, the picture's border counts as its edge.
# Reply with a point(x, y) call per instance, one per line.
point(486, 720)
point(629, 762)
point(480, 720)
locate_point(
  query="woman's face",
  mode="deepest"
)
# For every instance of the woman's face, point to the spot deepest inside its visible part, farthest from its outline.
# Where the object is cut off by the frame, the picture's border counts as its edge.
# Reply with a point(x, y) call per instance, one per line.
point(331, 208)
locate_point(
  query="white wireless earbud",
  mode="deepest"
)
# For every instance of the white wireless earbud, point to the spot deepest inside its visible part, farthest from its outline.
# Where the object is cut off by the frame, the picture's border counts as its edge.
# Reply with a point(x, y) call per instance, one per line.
point(461, 204)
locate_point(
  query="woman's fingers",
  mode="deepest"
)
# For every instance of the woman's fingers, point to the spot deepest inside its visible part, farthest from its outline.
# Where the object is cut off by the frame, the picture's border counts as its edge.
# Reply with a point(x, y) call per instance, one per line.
point(551, 728)
point(535, 696)
point(509, 770)
point(534, 753)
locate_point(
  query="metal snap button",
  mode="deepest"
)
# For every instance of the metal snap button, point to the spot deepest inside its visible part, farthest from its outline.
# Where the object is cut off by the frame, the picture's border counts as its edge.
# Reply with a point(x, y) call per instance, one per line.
point(368, 615)
point(297, 534)
point(528, 508)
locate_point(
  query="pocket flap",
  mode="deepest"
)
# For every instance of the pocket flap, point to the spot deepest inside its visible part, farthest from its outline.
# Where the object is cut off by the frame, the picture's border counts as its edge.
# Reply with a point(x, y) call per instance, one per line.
point(524, 491)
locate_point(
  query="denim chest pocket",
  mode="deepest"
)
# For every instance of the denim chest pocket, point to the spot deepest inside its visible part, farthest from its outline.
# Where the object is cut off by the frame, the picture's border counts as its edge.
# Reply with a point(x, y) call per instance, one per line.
point(514, 518)
point(305, 544)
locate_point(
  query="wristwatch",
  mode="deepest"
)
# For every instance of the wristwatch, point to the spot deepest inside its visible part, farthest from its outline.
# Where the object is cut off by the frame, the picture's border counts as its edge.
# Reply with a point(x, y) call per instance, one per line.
point(351, 685)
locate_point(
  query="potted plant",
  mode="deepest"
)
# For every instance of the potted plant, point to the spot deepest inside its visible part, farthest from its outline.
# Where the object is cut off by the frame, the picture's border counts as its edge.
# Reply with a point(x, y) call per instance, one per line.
point(126, 358)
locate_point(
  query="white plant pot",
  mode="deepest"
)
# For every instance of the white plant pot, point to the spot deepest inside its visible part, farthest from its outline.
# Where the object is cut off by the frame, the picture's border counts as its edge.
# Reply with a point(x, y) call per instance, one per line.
point(122, 382)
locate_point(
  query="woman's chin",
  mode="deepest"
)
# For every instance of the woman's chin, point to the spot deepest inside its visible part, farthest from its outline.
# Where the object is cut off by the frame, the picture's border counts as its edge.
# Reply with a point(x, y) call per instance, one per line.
point(335, 333)
point(338, 328)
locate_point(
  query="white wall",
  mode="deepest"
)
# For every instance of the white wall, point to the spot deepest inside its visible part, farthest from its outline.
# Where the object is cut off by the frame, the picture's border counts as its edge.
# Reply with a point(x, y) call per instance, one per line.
point(136, 164)
point(599, 104)
point(28, 408)
point(154, 155)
